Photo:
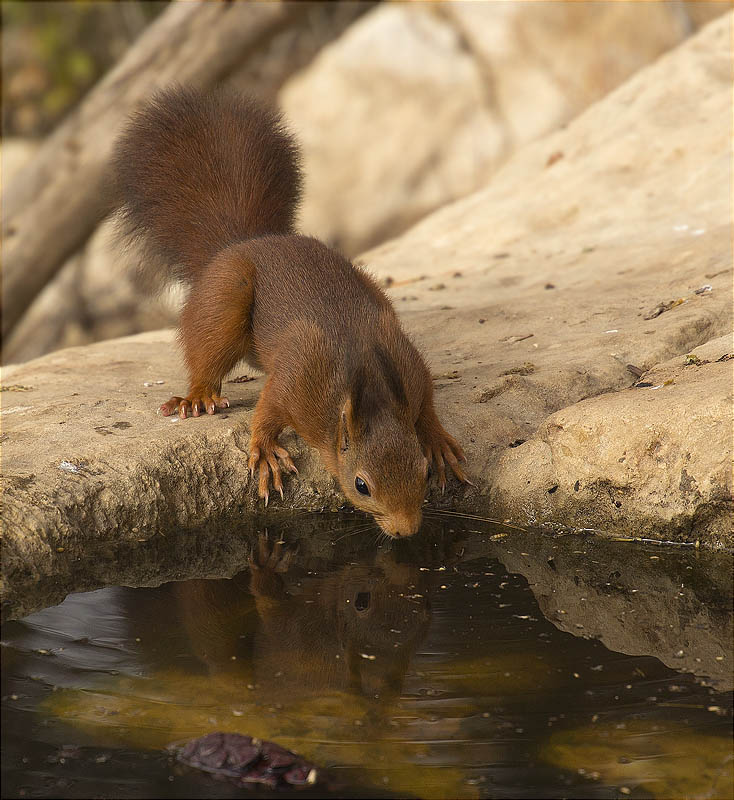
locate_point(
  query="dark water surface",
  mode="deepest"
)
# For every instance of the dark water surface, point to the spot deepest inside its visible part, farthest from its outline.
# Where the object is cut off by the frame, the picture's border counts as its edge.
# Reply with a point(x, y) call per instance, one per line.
point(475, 661)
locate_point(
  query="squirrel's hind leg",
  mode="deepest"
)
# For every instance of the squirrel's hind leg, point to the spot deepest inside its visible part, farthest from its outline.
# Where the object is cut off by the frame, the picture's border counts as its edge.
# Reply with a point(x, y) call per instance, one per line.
point(215, 331)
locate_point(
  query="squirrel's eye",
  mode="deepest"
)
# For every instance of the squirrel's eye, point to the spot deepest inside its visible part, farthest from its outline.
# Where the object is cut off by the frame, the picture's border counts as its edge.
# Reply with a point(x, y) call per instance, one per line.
point(361, 486)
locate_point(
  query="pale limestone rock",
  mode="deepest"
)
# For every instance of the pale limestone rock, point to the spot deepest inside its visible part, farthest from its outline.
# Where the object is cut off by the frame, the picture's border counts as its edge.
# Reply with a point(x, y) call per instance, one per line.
point(664, 447)
point(94, 296)
point(392, 123)
point(418, 104)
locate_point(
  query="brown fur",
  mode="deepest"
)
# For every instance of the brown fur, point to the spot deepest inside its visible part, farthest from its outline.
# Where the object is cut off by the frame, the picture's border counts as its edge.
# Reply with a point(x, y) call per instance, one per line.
point(212, 182)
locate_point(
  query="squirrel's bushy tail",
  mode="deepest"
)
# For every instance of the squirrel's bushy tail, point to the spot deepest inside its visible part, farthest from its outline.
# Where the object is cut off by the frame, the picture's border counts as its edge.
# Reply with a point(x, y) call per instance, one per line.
point(197, 171)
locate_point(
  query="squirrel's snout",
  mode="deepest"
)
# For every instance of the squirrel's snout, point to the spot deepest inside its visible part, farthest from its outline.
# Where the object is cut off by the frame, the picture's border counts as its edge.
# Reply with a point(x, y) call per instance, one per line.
point(399, 525)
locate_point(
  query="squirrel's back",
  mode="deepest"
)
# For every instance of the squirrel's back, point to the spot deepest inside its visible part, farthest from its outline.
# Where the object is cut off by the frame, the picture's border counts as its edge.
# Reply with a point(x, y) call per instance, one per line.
point(197, 171)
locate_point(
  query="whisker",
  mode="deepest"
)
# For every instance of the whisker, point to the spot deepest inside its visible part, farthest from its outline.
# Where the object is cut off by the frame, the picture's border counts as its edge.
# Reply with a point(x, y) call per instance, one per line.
point(384, 538)
point(354, 532)
point(439, 512)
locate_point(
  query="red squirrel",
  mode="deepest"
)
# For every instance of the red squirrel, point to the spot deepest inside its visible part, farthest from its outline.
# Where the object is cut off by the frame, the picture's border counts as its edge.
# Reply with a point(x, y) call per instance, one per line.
point(210, 183)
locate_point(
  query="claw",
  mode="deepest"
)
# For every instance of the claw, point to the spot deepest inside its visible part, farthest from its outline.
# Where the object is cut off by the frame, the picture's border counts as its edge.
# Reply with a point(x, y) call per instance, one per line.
point(198, 402)
point(264, 458)
point(441, 450)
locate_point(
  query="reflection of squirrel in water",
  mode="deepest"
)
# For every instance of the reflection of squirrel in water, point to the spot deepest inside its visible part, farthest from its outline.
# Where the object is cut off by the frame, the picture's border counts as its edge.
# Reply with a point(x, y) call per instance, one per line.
point(211, 183)
point(355, 629)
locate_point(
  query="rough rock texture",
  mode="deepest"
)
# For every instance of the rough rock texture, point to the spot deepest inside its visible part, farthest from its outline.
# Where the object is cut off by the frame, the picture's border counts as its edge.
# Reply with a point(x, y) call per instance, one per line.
point(488, 76)
point(84, 447)
point(583, 256)
point(665, 445)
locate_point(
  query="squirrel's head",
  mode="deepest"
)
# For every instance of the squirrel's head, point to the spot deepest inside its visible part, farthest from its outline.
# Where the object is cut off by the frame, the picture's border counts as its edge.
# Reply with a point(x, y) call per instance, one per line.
point(380, 466)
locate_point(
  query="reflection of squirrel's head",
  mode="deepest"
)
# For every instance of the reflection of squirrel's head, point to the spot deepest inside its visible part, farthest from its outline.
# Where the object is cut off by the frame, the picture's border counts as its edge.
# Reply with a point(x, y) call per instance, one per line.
point(382, 617)
point(353, 629)
point(380, 465)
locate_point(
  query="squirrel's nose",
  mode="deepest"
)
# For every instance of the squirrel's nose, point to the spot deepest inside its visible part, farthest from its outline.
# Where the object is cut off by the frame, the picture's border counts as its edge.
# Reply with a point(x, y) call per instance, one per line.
point(399, 525)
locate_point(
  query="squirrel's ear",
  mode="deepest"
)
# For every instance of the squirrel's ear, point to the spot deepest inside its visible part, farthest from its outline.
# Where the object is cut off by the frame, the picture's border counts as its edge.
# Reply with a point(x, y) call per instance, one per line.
point(362, 404)
point(345, 426)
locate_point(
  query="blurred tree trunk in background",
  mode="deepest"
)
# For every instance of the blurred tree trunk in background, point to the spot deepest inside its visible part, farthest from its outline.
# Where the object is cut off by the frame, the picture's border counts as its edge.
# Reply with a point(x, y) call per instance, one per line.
point(54, 203)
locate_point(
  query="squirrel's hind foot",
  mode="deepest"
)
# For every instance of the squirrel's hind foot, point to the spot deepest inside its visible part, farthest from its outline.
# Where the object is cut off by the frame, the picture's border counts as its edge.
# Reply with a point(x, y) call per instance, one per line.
point(267, 458)
point(197, 402)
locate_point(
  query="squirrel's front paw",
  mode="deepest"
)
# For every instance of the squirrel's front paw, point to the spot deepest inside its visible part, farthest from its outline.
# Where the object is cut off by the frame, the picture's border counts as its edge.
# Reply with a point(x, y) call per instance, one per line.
point(440, 449)
point(264, 456)
point(197, 402)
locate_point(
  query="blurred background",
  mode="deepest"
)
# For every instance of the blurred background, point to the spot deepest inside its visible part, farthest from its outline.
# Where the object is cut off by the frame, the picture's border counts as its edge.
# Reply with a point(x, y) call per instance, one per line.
point(400, 108)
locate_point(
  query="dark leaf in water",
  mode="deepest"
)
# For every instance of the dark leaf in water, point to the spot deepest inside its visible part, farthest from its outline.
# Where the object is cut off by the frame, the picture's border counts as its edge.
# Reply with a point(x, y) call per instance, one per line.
point(242, 752)
point(248, 760)
point(277, 757)
point(260, 773)
point(297, 775)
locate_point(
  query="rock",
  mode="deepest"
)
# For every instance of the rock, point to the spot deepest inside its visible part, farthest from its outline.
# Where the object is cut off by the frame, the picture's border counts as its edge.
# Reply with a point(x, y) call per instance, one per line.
point(559, 263)
point(372, 163)
point(416, 105)
point(664, 446)
point(264, 71)
point(636, 213)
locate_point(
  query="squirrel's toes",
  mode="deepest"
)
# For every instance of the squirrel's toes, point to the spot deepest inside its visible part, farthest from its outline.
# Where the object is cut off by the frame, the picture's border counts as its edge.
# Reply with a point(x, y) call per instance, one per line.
point(196, 403)
point(264, 458)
